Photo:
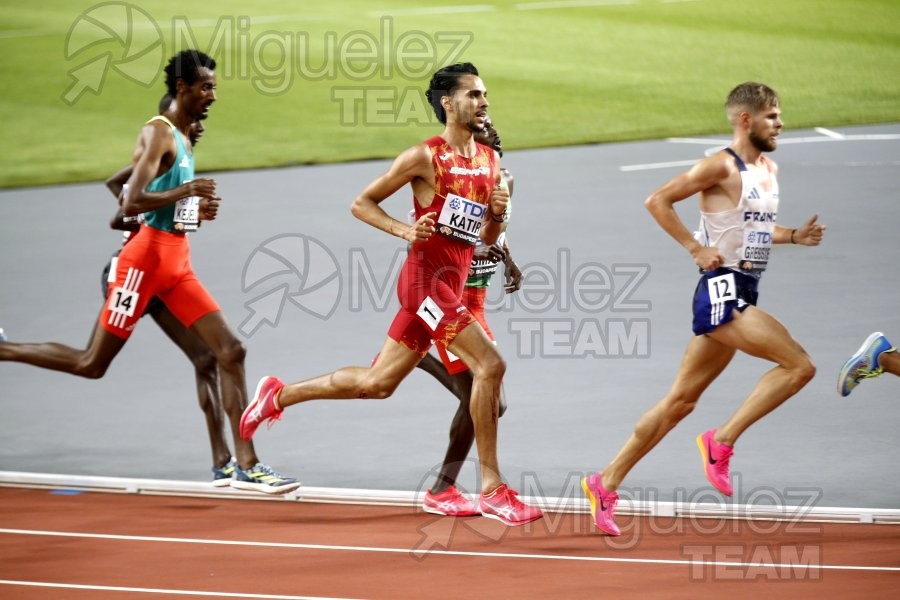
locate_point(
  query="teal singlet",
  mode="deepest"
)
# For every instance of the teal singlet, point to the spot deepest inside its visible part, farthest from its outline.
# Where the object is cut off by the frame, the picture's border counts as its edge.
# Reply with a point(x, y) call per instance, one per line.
point(179, 216)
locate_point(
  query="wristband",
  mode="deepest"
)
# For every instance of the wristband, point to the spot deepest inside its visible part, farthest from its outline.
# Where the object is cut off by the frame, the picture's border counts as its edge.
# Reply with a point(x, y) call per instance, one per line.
point(793, 231)
point(497, 220)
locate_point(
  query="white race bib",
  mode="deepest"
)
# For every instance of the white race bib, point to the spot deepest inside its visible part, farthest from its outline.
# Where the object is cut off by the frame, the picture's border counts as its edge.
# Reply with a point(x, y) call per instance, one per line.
point(187, 214)
point(430, 312)
point(755, 250)
point(722, 288)
point(113, 265)
point(461, 219)
point(122, 301)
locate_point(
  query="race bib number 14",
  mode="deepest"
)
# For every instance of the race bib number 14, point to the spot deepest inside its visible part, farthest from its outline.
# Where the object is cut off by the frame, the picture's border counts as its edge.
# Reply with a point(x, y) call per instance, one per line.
point(123, 302)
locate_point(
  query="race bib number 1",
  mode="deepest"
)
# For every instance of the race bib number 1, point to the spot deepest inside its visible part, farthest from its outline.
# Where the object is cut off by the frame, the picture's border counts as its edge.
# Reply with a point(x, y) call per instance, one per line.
point(722, 288)
point(187, 214)
point(430, 312)
point(123, 302)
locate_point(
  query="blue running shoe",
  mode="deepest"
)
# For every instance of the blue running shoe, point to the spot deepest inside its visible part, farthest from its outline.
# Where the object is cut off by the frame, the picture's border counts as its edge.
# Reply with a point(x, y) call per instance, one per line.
point(864, 364)
point(261, 478)
point(222, 475)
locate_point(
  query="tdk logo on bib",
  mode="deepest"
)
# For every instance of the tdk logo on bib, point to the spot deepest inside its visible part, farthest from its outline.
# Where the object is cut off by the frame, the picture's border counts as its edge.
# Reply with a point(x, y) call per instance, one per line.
point(759, 237)
point(461, 219)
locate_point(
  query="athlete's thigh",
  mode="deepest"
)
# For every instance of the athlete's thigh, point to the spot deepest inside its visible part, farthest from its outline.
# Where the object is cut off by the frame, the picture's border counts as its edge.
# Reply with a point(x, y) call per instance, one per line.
point(189, 301)
point(759, 334)
point(474, 347)
point(704, 359)
point(188, 341)
point(395, 361)
point(130, 288)
point(213, 330)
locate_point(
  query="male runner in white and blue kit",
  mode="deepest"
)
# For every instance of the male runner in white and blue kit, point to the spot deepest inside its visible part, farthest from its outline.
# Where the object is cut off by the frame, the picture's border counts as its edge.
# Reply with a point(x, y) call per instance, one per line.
point(738, 206)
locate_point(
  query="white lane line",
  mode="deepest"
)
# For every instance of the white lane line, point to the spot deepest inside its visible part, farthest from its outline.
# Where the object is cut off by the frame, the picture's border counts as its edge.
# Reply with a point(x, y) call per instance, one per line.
point(23, 33)
point(433, 10)
point(659, 165)
point(861, 137)
point(830, 133)
point(717, 144)
point(653, 561)
point(702, 141)
point(873, 136)
point(109, 588)
point(569, 4)
point(131, 26)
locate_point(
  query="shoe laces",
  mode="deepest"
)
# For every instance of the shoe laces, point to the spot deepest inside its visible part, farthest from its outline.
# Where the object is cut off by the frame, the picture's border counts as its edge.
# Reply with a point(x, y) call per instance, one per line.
point(510, 496)
point(863, 372)
point(722, 463)
point(612, 500)
point(270, 421)
point(448, 494)
point(264, 469)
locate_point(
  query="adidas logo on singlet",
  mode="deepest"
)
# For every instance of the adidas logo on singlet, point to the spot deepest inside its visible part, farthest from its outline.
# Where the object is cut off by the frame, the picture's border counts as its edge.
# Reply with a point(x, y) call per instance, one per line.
point(753, 195)
point(185, 162)
point(445, 156)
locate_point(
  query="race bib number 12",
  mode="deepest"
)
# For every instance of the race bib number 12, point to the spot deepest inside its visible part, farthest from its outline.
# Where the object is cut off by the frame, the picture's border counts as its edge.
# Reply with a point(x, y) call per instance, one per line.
point(722, 288)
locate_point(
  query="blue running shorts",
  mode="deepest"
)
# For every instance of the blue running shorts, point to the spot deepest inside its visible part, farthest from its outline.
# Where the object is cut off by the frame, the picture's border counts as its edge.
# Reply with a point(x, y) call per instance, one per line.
point(719, 293)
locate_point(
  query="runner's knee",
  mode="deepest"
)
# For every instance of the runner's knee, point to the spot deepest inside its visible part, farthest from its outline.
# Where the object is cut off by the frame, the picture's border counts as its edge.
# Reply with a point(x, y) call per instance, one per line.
point(232, 354)
point(490, 367)
point(90, 368)
point(804, 372)
point(204, 364)
point(680, 403)
point(377, 388)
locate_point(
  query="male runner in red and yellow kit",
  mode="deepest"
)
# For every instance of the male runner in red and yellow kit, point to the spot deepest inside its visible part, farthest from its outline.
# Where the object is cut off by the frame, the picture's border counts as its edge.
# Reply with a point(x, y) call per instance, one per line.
point(458, 199)
point(444, 497)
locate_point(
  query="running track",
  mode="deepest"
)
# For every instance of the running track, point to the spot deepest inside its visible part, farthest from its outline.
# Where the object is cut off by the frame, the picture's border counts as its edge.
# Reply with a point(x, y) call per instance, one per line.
point(574, 206)
point(107, 546)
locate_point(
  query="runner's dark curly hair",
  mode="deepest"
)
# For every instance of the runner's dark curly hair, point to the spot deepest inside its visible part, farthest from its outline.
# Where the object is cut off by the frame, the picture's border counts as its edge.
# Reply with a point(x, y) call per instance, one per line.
point(184, 66)
point(443, 83)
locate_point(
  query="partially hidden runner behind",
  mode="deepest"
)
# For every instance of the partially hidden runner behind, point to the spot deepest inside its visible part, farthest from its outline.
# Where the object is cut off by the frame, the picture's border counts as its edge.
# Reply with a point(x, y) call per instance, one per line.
point(458, 196)
point(444, 497)
point(876, 356)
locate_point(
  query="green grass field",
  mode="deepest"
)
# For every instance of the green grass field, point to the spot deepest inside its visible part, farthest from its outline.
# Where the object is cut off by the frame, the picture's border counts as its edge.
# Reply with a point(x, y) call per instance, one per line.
point(302, 83)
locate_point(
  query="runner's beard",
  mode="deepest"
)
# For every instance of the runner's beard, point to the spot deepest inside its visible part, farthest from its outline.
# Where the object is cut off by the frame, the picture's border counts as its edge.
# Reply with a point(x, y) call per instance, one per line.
point(764, 144)
point(473, 126)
